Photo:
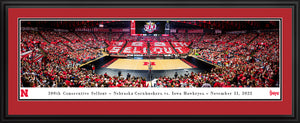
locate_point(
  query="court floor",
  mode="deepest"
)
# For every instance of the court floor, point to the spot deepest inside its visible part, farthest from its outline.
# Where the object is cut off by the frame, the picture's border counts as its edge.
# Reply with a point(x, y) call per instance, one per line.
point(142, 64)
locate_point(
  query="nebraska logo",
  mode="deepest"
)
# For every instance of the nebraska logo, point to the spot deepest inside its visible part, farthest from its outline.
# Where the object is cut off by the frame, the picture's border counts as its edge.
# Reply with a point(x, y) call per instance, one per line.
point(147, 63)
point(24, 92)
point(273, 93)
point(150, 27)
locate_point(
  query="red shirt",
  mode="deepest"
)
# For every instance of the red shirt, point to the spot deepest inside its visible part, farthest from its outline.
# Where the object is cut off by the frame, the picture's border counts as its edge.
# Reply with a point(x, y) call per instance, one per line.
point(119, 85)
point(217, 84)
point(97, 80)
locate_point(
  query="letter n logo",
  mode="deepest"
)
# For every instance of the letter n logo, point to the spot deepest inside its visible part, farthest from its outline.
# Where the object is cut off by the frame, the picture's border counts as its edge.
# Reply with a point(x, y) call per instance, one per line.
point(24, 92)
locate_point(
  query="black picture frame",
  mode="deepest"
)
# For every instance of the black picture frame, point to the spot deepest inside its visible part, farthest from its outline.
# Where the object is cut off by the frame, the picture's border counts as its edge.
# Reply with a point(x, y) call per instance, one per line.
point(148, 4)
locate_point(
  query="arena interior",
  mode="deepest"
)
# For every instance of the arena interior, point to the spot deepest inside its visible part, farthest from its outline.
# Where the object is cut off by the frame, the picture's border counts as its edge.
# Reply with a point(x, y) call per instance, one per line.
point(185, 54)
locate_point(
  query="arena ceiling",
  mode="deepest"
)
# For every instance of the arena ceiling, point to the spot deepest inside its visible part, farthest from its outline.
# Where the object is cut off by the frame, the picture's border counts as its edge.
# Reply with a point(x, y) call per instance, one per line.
point(222, 25)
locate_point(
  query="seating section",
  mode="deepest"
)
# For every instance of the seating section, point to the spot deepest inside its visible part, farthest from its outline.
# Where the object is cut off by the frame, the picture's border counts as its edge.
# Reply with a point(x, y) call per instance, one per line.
point(244, 60)
point(115, 46)
point(86, 36)
point(115, 36)
point(194, 37)
point(30, 40)
point(52, 36)
point(180, 36)
point(102, 36)
point(84, 50)
point(135, 47)
point(148, 38)
point(128, 37)
point(255, 59)
point(207, 38)
point(171, 37)
point(161, 48)
point(181, 47)
point(74, 41)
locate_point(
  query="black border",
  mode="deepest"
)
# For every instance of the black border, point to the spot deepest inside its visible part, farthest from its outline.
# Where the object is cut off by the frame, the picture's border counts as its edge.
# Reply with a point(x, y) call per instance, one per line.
point(294, 4)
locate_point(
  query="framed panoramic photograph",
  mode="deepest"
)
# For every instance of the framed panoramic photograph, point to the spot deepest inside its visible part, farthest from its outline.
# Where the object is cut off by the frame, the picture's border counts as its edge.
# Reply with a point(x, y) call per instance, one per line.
point(185, 61)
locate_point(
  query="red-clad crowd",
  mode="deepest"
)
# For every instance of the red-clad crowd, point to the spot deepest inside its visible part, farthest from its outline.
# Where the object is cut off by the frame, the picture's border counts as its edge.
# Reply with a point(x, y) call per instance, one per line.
point(194, 37)
point(30, 40)
point(251, 60)
point(181, 36)
point(115, 36)
point(171, 37)
point(102, 36)
point(60, 61)
point(149, 38)
point(245, 60)
point(83, 44)
point(128, 37)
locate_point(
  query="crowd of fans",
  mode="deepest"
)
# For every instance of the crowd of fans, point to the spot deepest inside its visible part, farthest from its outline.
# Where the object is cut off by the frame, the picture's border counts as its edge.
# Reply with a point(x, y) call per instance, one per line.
point(171, 37)
point(251, 60)
point(128, 37)
point(30, 40)
point(102, 37)
point(194, 37)
point(85, 47)
point(207, 38)
point(61, 61)
point(149, 38)
point(52, 36)
point(76, 42)
point(115, 36)
point(243, 60)
point(181, 36)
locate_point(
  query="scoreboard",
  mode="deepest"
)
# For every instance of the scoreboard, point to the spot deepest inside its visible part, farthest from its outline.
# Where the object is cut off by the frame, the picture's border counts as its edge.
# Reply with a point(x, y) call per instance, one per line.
point(150, 28)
